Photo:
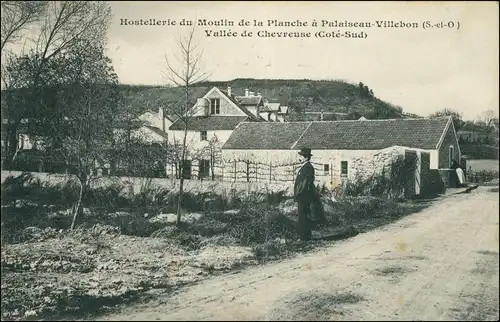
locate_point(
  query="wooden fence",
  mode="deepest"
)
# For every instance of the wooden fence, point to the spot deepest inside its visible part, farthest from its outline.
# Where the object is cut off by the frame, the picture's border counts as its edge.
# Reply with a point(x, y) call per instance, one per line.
point(481, 176)
point(251, 171)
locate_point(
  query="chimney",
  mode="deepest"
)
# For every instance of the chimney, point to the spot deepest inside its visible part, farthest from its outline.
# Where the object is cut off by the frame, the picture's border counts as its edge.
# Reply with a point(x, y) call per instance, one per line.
point(160, 112)
point(246, 91)
point(229, 90)
point(162, 118)
point(321, 115)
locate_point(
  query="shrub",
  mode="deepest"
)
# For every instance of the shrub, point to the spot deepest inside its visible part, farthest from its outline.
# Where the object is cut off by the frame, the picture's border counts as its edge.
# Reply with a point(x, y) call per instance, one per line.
point(274, 198)
point(266, 250)
point(482, 176)
point(184, 236)
point(389, 183)
point(361, 209)
point(260, 224)
point(234, 199)
point(110, 198)
point(149, 194)
point(197, 202)
point(208, 227)
point(20, 187)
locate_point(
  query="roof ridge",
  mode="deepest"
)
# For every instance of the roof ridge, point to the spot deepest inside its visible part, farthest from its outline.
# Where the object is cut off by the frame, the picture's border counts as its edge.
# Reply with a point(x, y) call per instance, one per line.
point(339, 135)
point(375, 120)
point(234, 101)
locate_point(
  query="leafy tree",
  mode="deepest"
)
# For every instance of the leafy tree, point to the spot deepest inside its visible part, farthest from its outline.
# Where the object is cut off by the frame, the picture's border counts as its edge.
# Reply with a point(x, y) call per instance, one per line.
point(88, 105)
point(62, 28)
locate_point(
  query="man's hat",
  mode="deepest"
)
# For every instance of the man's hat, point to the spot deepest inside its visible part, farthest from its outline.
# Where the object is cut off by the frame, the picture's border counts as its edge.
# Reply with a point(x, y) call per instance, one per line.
point(305, 152)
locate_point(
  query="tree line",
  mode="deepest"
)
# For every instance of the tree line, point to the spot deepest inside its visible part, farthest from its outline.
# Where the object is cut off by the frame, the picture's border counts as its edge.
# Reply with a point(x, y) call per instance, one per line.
point(60, 88)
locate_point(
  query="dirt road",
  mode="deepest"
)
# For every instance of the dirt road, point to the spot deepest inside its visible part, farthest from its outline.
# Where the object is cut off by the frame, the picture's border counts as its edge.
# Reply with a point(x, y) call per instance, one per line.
point(439, 264)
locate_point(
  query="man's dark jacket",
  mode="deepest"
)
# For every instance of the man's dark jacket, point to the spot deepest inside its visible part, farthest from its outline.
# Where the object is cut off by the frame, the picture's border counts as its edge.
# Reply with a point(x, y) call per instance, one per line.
point(304, 183)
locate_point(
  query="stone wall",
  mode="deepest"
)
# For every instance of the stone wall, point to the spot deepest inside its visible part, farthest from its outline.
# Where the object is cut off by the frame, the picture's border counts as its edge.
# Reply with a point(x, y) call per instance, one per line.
point(365, 166)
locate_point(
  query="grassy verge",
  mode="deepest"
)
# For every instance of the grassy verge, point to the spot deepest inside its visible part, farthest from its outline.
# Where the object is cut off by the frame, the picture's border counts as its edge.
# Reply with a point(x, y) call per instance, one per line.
point(126, 246)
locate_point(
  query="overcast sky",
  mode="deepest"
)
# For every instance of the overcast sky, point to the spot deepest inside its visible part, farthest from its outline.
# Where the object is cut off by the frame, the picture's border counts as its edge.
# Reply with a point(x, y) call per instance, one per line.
point(421, 70)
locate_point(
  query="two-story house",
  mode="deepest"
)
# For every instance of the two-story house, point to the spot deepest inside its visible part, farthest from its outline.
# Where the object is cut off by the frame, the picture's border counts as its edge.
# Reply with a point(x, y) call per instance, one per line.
point(210, 122)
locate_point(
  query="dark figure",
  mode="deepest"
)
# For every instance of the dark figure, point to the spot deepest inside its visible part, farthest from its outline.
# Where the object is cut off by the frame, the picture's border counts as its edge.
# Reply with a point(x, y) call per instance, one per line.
point(453, 177)
point(304, 193)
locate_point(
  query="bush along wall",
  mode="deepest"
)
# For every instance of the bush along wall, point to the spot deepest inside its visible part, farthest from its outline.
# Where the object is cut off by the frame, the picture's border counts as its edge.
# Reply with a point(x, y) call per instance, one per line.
point(390, 182)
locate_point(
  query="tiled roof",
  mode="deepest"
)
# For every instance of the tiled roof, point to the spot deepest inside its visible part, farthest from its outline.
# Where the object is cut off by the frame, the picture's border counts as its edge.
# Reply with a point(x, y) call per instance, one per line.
point(265, 135)
point(248, 100)
point(374, 134)
point(209, 123)
point(157, 131)
point(339, 135)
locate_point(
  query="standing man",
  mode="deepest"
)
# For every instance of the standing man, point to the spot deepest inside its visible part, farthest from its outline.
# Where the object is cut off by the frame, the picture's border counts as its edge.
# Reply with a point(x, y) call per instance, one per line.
point(304, 193)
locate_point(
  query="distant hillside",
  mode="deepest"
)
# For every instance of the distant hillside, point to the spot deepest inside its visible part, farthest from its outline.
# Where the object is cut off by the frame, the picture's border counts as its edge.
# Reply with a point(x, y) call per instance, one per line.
point(349, 100)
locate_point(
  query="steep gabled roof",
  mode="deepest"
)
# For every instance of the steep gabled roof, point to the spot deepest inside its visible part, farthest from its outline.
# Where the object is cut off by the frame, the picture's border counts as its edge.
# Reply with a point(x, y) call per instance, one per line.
point(233, 100)
point(340, 135)
point(209, 123)
point(265, 135)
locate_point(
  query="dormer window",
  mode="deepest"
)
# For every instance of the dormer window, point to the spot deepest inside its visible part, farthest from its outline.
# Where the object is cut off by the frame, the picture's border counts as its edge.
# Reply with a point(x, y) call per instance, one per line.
point(214, 106)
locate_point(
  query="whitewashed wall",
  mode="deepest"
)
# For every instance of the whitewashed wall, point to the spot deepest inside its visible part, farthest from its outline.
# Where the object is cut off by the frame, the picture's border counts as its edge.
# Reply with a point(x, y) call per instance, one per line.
point(361, 163)
point(194, 144)
point(193, 138)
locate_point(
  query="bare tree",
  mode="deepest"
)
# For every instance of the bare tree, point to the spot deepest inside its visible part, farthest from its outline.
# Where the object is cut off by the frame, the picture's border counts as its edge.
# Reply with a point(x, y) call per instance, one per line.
point(17, 16)
point(487, 116)
point(184, 77)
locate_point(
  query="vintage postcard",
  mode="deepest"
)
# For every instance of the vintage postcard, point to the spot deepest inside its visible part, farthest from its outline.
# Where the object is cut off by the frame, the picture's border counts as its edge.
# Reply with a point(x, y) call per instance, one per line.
point(237, 160)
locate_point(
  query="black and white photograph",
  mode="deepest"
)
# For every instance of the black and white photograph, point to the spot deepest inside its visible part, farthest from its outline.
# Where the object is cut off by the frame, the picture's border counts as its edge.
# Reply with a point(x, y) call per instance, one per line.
point(250, 160)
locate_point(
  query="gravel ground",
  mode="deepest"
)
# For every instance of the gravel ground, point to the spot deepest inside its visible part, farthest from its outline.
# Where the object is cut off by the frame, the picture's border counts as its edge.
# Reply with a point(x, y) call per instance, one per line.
point(439, 264)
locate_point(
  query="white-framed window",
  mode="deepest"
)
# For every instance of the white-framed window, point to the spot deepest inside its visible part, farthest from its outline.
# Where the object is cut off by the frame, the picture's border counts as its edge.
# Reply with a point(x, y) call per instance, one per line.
point(203, 136)
point(326, 169)
point(215, 106)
